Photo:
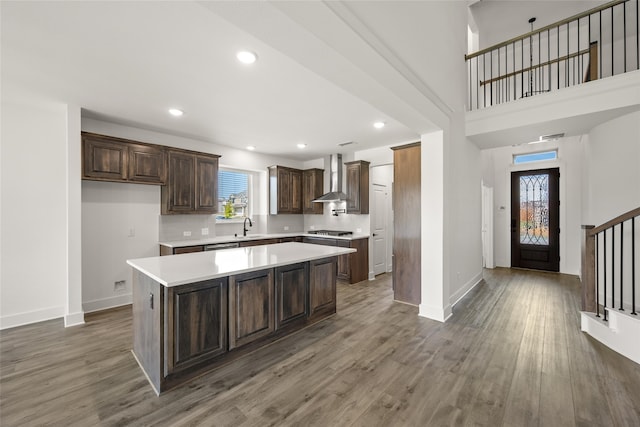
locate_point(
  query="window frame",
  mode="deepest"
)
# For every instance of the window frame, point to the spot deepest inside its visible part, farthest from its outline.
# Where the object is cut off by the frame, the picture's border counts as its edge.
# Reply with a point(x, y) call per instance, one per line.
point(251, 176)
point(514, 158)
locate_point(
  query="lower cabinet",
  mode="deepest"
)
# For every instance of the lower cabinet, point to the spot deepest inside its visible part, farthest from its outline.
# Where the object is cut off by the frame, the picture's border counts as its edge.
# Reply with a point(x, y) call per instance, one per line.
point(251, 307)
point(190, 308)
point(292, 284)
point(322, 287)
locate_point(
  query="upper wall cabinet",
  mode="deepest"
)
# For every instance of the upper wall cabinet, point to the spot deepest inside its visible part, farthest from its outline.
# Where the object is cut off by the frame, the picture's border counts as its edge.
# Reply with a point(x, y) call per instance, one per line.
point(312, 188)
point(107, 158)
point(285, 190)
point(192, 183)
point(357, 187)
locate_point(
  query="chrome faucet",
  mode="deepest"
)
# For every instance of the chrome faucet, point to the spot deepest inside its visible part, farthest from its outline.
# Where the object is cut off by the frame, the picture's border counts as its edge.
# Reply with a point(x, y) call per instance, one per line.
point(244, 226)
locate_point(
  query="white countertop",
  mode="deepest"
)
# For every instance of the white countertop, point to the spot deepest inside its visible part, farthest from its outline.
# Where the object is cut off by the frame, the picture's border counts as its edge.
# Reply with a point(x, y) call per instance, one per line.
point(227, 239)
point(181, 269)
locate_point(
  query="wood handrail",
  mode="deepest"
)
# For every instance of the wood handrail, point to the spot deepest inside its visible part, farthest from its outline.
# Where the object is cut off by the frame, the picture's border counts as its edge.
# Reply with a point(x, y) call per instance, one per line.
point(533, 67)
point(548, 27)
point(615, 221)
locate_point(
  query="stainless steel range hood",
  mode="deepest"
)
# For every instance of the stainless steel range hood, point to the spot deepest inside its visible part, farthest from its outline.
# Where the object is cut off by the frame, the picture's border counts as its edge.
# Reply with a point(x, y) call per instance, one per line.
point(335, 177)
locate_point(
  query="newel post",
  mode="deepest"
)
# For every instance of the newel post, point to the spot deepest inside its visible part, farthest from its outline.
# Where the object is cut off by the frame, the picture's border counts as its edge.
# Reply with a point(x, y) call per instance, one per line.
point(588, 277)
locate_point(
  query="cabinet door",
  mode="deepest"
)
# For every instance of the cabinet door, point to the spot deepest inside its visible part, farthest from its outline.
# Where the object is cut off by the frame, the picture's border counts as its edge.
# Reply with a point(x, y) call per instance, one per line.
point(188, 249)
point(247, 243)
point(251, 307)
point(358, 187)
point(284, 191)
point(197, 323)
point(296, 191)
point(104, 159)
point(206, 184)
point(322, 287)
point(292, 282)
point(147, 164)
point(178, 196)
point(312, 188)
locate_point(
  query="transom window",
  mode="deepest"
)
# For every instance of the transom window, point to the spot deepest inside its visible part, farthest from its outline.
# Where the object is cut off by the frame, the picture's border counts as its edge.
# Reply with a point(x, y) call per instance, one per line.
point(535, 157)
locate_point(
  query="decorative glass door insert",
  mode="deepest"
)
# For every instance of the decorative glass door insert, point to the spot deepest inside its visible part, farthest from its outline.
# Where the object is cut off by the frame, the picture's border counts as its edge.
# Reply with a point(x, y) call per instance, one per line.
point(534, 209)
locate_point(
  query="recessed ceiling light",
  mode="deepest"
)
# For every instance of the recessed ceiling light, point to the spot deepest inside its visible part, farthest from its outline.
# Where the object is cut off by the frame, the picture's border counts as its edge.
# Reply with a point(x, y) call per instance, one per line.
point(378, 125)
point(175, 112)
point(246, 57)
point(251, 147)
point(301, 146)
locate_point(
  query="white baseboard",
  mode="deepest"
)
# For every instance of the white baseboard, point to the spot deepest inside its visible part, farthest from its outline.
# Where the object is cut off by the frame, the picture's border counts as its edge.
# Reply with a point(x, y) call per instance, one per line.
point(441, 314)
point(106, 303)
point(457, 296)
point(74, 319)
point(13, 320)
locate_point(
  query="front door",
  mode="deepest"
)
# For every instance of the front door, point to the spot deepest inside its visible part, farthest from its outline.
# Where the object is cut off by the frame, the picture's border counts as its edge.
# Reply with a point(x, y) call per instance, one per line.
point(535, 219)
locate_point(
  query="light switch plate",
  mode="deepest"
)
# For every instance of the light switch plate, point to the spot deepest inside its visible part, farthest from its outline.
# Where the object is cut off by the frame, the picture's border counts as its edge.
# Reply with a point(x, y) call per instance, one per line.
point(205, 231)
point(186, 233)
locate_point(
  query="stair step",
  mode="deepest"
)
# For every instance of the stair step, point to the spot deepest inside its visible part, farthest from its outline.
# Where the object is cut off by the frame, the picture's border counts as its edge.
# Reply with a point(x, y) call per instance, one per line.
point(620, 332)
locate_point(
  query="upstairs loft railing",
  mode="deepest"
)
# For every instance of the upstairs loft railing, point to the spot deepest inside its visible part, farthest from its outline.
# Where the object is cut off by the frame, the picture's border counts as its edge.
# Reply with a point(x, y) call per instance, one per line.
point(610, 265)
point(598, 43)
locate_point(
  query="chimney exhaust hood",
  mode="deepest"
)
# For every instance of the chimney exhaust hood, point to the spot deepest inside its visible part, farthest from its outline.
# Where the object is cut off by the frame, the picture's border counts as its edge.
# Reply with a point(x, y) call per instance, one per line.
point(335, 176)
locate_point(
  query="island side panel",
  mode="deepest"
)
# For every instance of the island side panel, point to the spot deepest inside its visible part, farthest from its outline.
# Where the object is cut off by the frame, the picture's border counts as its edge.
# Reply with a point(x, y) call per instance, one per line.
point(322, 287)
point(148, 316)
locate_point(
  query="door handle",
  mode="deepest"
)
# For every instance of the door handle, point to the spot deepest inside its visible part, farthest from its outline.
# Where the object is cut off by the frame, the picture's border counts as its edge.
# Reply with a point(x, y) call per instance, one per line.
point(374, 234)
point(513, 225)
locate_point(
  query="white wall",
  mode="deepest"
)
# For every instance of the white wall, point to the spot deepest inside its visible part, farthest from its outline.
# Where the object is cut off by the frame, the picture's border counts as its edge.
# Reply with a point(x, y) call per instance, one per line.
point(33, 219)
point(497, 167)
point(613, 169)
point(119, 222)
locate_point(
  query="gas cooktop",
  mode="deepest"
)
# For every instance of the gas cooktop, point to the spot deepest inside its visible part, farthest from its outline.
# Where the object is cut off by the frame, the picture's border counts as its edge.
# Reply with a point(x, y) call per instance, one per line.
point(330, 232)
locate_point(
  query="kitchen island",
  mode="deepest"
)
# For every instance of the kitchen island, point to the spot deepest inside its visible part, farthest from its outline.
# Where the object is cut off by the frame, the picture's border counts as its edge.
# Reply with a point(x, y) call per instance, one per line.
point(194, 312)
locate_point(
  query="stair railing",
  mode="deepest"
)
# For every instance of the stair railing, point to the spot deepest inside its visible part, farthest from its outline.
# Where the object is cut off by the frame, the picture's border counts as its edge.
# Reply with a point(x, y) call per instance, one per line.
point(601, 42)
point(609, 265)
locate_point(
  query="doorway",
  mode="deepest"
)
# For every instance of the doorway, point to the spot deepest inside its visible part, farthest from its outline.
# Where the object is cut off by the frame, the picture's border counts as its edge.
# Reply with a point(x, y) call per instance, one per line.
point(535, 219)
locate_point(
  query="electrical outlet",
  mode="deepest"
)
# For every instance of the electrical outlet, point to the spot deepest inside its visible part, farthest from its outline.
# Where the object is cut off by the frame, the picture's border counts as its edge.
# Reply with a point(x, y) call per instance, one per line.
point(286, 228)
point(120, 285)
point(312, 227)
point(205, 231)
point(358, 230)
point(186, 233)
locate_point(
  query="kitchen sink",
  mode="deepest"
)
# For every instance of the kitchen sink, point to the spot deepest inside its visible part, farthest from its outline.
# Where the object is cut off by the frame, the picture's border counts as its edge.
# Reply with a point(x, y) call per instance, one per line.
point(250, 236)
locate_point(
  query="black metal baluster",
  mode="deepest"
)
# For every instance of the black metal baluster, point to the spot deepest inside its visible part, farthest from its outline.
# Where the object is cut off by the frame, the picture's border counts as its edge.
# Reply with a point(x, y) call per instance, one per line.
point(470, 89)
point(522, 68)
point(613, 267)
point(558, 63)
point(624, 32)
point(604, 274)
point(601, 47)
point(515, 80)
point(484, 75)
point(491, 76)
point(633, 265)
point(499, 85)
point(597, 280)
point(549, 57)
point(477, 79)
point(579, 57)
point(637, 36)
point(566, 67)
point(621, 265)
point(612, 71)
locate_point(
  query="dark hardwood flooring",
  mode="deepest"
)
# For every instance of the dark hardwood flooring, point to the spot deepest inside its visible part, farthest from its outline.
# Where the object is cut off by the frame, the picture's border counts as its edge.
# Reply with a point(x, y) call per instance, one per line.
point(512, 354)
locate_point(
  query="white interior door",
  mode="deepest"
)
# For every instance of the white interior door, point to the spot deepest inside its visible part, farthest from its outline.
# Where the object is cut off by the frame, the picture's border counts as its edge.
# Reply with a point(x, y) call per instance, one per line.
point(379, 226)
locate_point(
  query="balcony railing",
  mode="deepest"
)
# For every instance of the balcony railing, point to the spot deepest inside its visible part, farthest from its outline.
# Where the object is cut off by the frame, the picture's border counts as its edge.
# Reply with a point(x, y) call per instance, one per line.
point(598, 43)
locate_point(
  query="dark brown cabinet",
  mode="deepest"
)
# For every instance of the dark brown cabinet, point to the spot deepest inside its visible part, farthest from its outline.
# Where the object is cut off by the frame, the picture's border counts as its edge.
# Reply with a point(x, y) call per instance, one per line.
point(251, 307)
point(357, 187)
point(191, 308)
point(192, 184)
point(312, 188)
point(353, 267)
point(292, 283)
point(322, 287)
point(406, 224)
point(106, 158)
point(285, 190)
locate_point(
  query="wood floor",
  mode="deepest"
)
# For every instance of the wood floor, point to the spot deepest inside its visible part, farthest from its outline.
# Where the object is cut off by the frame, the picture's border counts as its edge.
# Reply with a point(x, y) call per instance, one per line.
point(512, 354)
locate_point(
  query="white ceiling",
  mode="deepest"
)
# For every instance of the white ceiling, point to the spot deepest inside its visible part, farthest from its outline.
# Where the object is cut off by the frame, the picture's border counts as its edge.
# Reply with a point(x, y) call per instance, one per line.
point(129, 62)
